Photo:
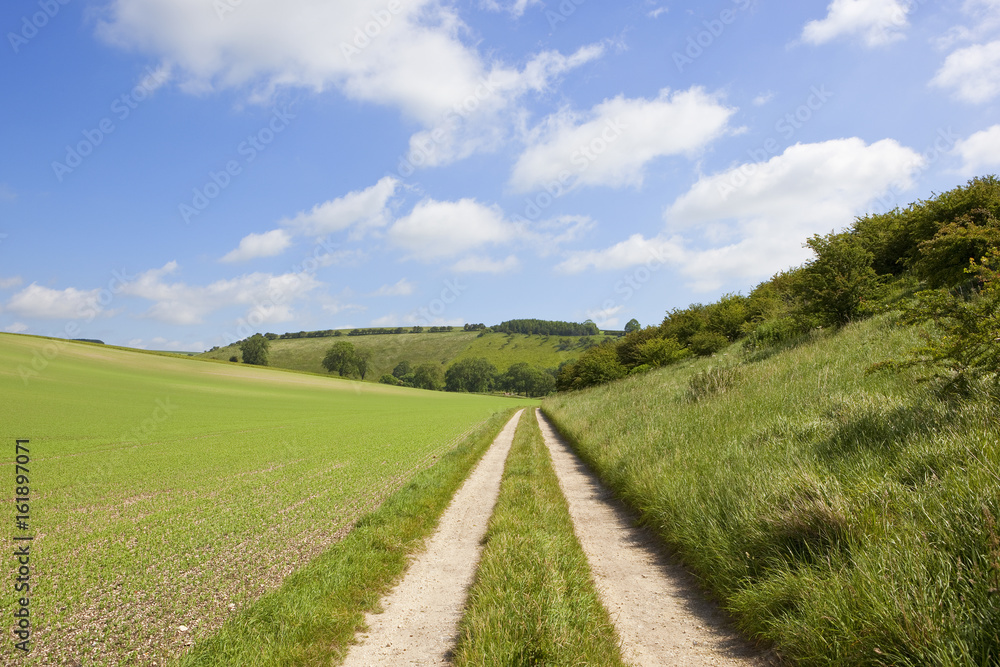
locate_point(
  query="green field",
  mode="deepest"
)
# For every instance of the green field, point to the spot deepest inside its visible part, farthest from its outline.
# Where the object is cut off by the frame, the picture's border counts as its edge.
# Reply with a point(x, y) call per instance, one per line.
point(169, 492)
point(503, 350)
point(844, 518)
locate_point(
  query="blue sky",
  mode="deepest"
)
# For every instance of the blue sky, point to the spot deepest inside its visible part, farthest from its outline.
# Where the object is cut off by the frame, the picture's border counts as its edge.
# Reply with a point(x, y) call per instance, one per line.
point(177, 174)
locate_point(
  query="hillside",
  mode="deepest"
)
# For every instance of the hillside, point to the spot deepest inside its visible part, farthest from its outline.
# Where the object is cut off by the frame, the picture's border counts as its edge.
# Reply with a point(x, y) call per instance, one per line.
point(845, 517)
point(502, 350)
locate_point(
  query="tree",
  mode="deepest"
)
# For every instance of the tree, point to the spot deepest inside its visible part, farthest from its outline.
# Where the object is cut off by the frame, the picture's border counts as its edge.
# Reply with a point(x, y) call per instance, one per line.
point(596, 366)
point(472, 375)
point(633, 325)
point(840, 283)
point(254, 350)
point(340, 358)
point(401, 369)
point(362, 361)
point(427, 376)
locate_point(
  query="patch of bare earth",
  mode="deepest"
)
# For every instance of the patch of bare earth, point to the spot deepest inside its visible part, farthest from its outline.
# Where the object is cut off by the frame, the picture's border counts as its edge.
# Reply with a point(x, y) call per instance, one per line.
point(420, 621)
point(661, 615)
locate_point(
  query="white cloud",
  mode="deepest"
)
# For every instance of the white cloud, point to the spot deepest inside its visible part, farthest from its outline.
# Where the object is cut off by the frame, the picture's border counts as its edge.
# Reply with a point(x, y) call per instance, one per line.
point(437, 230)
point(972, 72)
point(876, 22)
point(363, 210)
point(13, 281)
point(763, 99)
point(16, 327)
point(253, 246)
point(606, 318)
point(269, 297)
point(633, 251)
point(413, 60)
point(751, 221)
point(403, 288)
point(515, 8)
point(981, 150)
point(42, 302)
point(480, 264)
point(612, 144)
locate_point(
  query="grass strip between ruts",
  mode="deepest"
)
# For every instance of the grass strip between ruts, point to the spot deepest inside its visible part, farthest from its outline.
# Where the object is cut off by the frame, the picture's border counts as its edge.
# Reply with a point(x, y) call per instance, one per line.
point(534, 601)
point(315, 614)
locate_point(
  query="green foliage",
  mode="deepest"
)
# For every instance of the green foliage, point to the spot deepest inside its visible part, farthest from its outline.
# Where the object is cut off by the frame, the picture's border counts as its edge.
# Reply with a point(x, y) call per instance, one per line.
point(401, 369)
point(633, 325)
point(427, 376)
point(254, 350)
point(712, 381)
point(472, 375)
point(727, 316)
point(596, 366)
point(522, 378)
point(706, 343)
point(362, 361)
point(943, 259)
point(341, 359)
point(658, 352)
point(839, 285)
point(391, 380)
point(547, 328)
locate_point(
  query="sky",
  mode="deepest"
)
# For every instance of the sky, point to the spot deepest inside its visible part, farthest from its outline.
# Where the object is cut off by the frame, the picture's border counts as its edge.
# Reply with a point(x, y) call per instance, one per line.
point(180, 174)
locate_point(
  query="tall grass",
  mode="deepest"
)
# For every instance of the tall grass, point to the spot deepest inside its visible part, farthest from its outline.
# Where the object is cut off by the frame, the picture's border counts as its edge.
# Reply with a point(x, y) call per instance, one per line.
point(533, 601)
point(846, 519)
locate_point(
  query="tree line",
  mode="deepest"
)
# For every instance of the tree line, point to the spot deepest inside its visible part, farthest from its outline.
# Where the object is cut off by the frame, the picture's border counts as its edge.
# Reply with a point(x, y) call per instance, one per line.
point(547, 328)
point(937, 260)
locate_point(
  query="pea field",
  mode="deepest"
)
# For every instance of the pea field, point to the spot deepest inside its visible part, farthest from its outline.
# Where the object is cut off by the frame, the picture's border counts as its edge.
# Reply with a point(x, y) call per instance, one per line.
point(166, 494)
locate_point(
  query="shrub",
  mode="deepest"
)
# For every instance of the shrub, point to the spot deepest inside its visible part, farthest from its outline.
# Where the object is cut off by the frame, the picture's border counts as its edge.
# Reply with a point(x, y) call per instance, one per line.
point(707, 343)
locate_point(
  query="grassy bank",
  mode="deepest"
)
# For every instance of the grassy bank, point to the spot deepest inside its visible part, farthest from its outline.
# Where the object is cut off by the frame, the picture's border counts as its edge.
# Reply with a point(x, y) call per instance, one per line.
point(847, 519)
point(317, 611)
point(533, 601)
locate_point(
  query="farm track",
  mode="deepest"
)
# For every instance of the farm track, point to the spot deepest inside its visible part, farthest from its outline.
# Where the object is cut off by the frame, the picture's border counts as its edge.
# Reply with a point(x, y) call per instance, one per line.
point(420, 621)
point(661, 615)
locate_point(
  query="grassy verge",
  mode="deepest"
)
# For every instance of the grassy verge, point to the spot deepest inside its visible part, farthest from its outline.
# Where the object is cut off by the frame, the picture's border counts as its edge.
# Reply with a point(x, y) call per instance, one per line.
point(533, 601)
point(848, 519)
point(317, 611)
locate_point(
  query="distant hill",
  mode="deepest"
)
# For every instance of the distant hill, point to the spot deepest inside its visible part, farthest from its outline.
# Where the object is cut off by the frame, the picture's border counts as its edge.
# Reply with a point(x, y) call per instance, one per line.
point(444, 348)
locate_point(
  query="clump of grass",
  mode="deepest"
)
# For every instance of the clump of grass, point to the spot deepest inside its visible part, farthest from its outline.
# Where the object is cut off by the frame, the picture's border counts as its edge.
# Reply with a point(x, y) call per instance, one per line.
point(712, 381)
point(317, 611)
point(533, 601)
point(845, 518)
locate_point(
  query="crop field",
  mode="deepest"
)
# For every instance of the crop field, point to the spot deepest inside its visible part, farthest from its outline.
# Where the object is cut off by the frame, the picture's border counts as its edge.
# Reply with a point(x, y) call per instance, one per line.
point(168, 494)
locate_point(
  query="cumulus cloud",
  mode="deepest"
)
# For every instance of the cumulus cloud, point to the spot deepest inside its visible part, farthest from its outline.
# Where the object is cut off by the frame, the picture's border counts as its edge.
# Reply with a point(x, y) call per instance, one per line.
point(16, 327)
point(411, 58)
point(612, 144)
point(973, 72)
point(750, 221)
point(253, 246)
point(45, 303)
point(360, 210)
point(402, 288)
point(436, 230)
point(875, 22)
point(515, 8)
point(269, 296)
point(980, 151)
point(480, 264)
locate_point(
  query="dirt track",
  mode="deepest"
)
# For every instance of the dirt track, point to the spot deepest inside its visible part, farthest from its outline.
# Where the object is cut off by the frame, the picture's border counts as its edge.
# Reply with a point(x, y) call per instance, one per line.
point(660, 614)
point(420, 622)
